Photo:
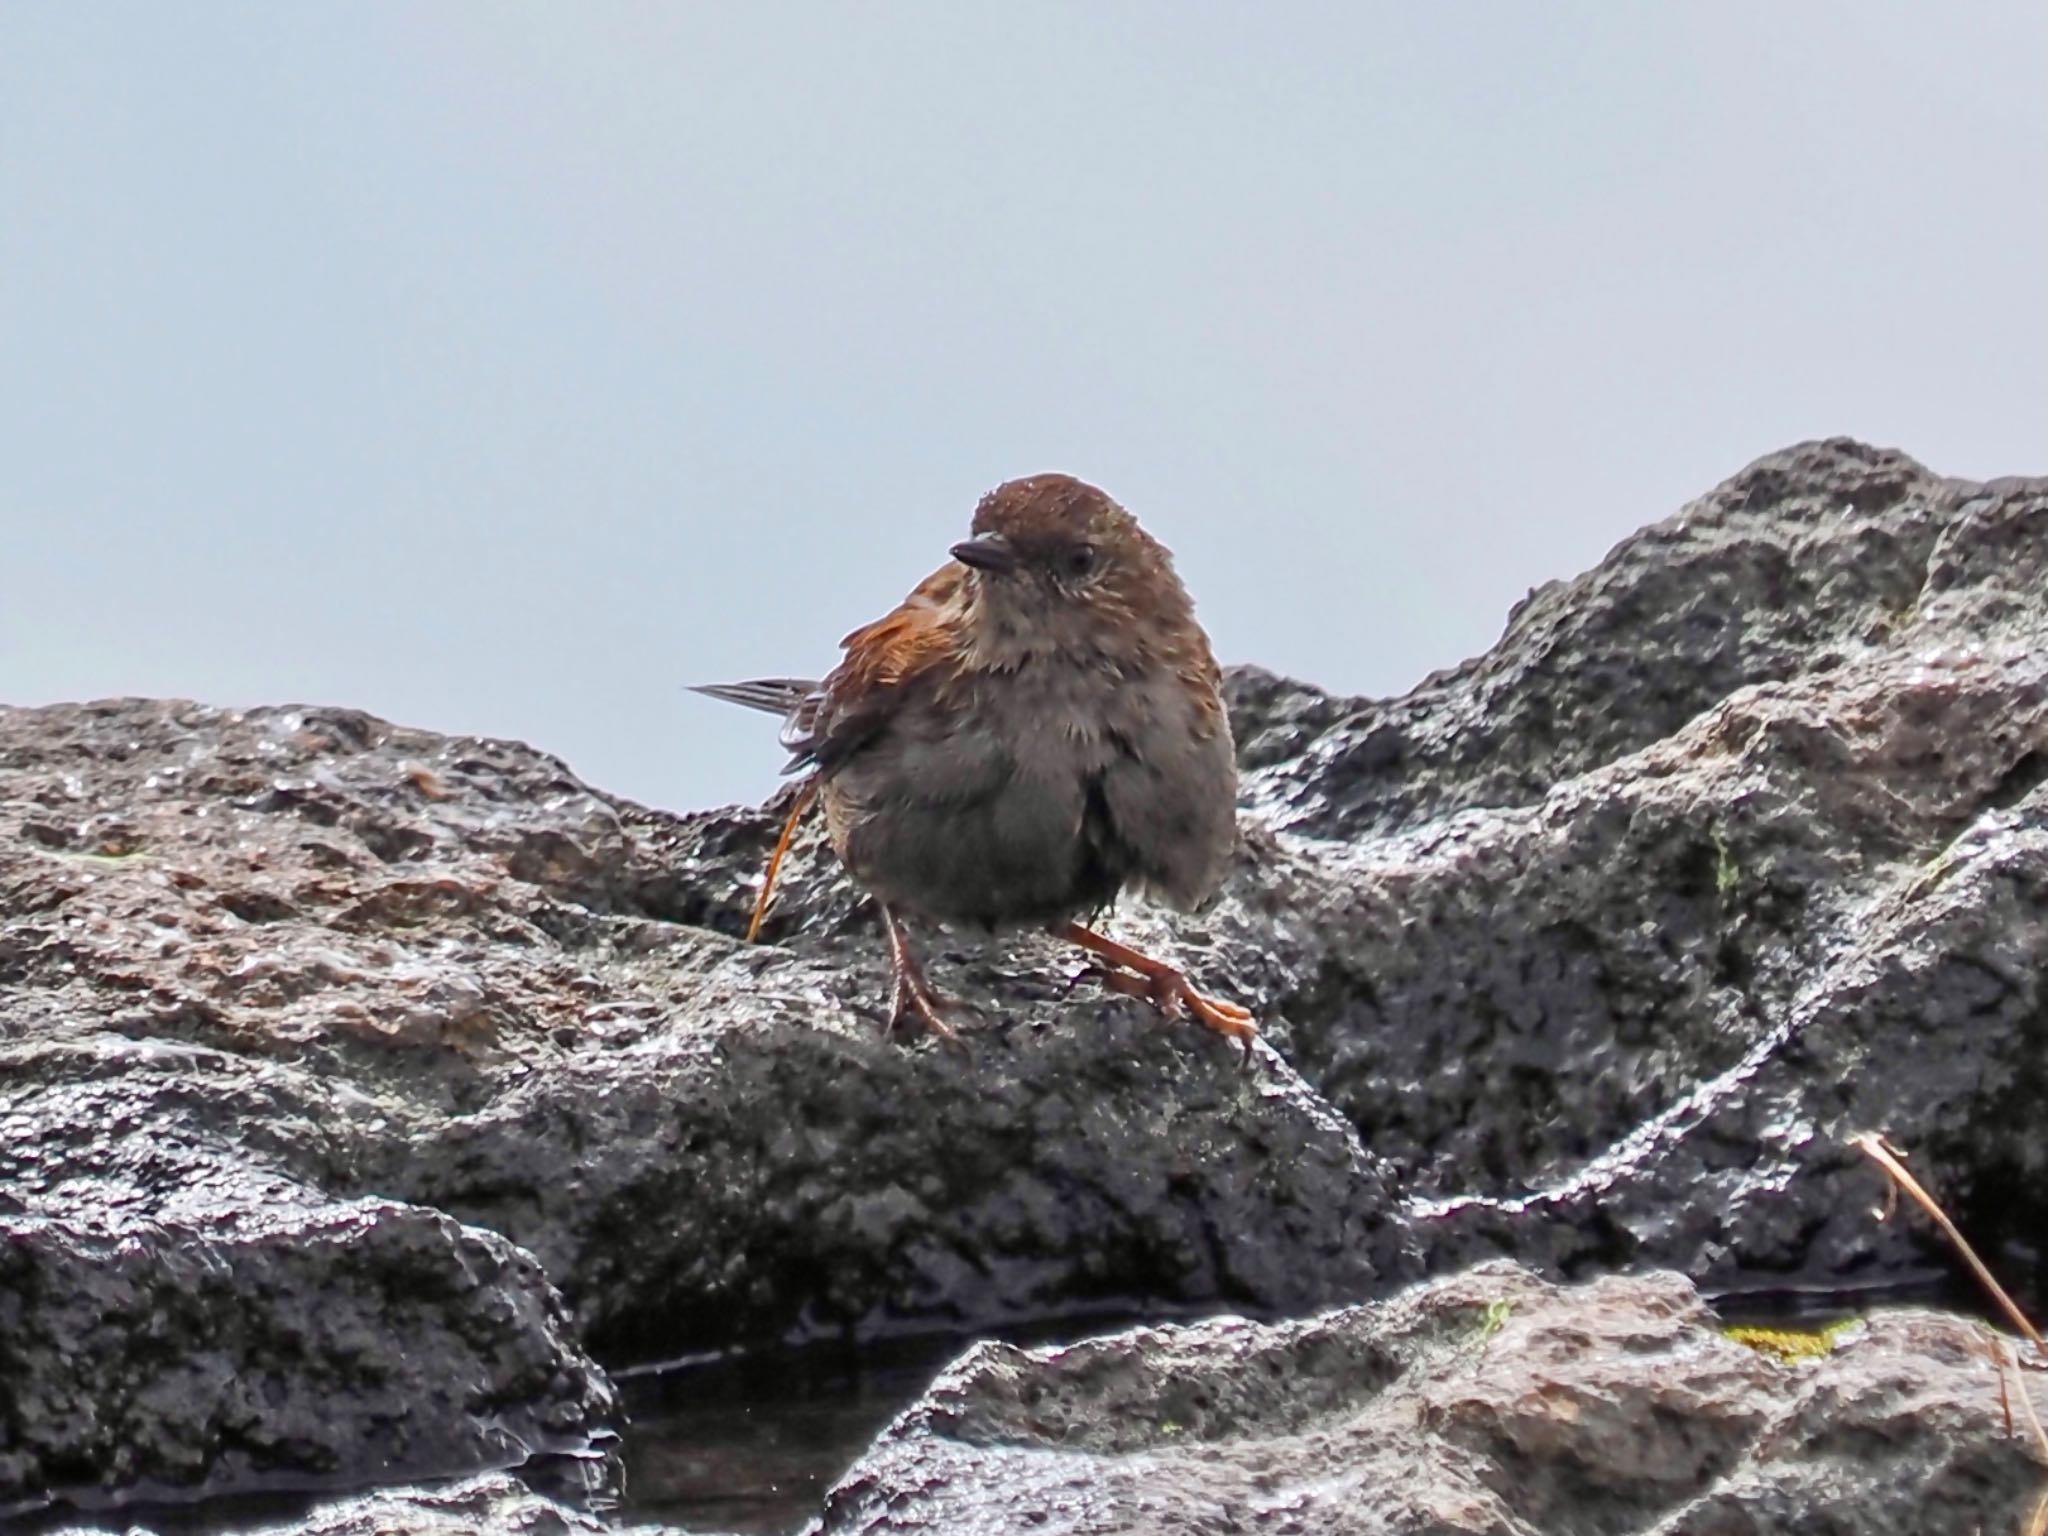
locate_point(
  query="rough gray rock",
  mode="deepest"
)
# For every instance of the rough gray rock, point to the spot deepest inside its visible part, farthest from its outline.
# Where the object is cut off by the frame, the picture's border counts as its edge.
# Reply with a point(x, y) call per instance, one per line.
point(1805, 556)
point(266, 969)
point(489, 1504)
point(178, 1316)
point(1591, 951)
point(1632, 1017)
point(499, 989)
point(1486, 1403)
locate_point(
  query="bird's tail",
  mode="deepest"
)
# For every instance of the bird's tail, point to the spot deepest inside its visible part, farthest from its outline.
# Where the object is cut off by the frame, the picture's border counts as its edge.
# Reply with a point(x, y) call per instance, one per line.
point(770, 695)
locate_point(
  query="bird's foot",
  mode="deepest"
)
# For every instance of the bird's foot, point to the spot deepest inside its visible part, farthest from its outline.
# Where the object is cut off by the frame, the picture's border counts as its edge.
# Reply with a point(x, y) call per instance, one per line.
point(1165, 987)
point(1173, 994)
point(916, 1006)
point(914, 1002)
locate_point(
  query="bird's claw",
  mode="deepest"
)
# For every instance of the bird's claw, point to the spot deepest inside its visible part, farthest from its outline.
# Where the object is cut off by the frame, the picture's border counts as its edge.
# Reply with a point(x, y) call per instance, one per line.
point(1173, 995)
point(917, 1005)
point(913, 999)
point(1089, 972)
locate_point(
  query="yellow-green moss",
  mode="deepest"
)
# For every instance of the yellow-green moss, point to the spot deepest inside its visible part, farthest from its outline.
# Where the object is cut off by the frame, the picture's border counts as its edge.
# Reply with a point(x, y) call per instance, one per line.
point(1790, 1345)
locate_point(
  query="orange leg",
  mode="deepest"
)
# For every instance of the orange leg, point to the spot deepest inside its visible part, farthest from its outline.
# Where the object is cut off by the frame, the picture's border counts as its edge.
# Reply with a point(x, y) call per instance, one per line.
point(914, 1000)
point(1139, 975)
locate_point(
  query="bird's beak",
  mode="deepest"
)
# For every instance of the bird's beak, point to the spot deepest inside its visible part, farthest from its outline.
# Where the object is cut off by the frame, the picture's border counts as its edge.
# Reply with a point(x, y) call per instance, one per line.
point(992, 552)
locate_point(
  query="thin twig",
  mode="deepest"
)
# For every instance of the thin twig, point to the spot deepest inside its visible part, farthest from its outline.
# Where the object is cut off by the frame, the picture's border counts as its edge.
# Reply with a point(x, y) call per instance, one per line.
point(796, 814)
point(1872, 1146)
point(2037, 1522)
point(2027, 1406)
point(1997, 1346)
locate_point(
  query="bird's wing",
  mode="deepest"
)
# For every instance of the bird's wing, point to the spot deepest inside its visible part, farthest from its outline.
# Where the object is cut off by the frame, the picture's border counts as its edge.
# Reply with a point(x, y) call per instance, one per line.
point(1204, 680)
point(856, 700)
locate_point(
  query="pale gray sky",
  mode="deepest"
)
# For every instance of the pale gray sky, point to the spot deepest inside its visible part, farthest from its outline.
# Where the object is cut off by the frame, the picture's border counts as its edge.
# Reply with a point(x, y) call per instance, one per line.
point(502, 367)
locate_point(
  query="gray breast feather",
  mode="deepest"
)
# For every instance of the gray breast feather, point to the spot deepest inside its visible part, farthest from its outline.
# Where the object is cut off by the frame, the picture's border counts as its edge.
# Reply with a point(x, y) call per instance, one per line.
point(1171, 792)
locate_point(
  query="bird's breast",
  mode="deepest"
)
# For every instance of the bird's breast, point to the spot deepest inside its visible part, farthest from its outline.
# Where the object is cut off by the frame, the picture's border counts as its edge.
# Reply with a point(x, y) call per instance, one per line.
point(981, 802)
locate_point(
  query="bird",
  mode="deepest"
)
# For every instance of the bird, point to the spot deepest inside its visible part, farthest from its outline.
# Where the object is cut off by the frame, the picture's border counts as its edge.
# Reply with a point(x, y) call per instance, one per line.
point(1036, 728)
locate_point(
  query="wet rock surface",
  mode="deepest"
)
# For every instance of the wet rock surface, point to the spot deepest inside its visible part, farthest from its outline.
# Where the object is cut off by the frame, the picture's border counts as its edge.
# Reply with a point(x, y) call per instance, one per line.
point(1489, 1403)
point(488, 1504)
point(436, 1067)
point(280, 1346)
point(280, 972)
point(1632, 1020)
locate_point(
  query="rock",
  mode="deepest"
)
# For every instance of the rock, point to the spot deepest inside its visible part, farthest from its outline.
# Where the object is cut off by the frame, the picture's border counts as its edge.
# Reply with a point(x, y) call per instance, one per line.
point(491, 1504)
point(1592, 951)
point(266, 969)
point(179, 1316)
point(1804, 556)
point(1631, 1014)
point(1489, 1402)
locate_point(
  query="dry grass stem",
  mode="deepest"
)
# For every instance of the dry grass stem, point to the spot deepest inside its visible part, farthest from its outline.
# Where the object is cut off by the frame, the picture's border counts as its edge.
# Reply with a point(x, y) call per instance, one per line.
point(1872, 1146)
point(796, 814)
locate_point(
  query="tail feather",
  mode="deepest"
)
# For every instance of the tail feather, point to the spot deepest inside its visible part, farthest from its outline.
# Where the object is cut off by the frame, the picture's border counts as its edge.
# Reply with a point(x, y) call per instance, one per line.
point(770, 695)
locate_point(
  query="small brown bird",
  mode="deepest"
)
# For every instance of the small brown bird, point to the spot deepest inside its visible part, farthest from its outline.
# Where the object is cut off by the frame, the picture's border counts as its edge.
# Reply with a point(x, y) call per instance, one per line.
point(1039, 725)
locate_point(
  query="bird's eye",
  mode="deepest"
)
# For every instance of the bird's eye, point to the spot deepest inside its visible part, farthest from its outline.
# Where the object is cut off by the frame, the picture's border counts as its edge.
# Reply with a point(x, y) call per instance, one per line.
point(1081, 560)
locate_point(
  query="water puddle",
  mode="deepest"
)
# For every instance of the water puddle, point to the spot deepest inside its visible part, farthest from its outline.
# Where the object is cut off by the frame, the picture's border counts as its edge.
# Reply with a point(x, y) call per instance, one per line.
point(749, 1443)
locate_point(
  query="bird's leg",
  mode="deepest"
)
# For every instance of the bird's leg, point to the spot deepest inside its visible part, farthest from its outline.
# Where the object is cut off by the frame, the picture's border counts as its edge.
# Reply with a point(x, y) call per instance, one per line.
point(914, 998)
point(1165, 988)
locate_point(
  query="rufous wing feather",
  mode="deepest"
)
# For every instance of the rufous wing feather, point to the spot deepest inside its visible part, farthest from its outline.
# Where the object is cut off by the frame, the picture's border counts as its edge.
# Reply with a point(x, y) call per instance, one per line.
point(853, 702)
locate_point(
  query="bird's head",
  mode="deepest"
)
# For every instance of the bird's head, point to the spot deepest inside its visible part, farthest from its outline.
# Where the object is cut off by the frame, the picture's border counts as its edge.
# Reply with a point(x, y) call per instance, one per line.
point(1054, 559)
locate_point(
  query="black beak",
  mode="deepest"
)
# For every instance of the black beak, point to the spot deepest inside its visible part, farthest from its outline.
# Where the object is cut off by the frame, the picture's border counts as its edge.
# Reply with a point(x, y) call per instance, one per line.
point(992, 552)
